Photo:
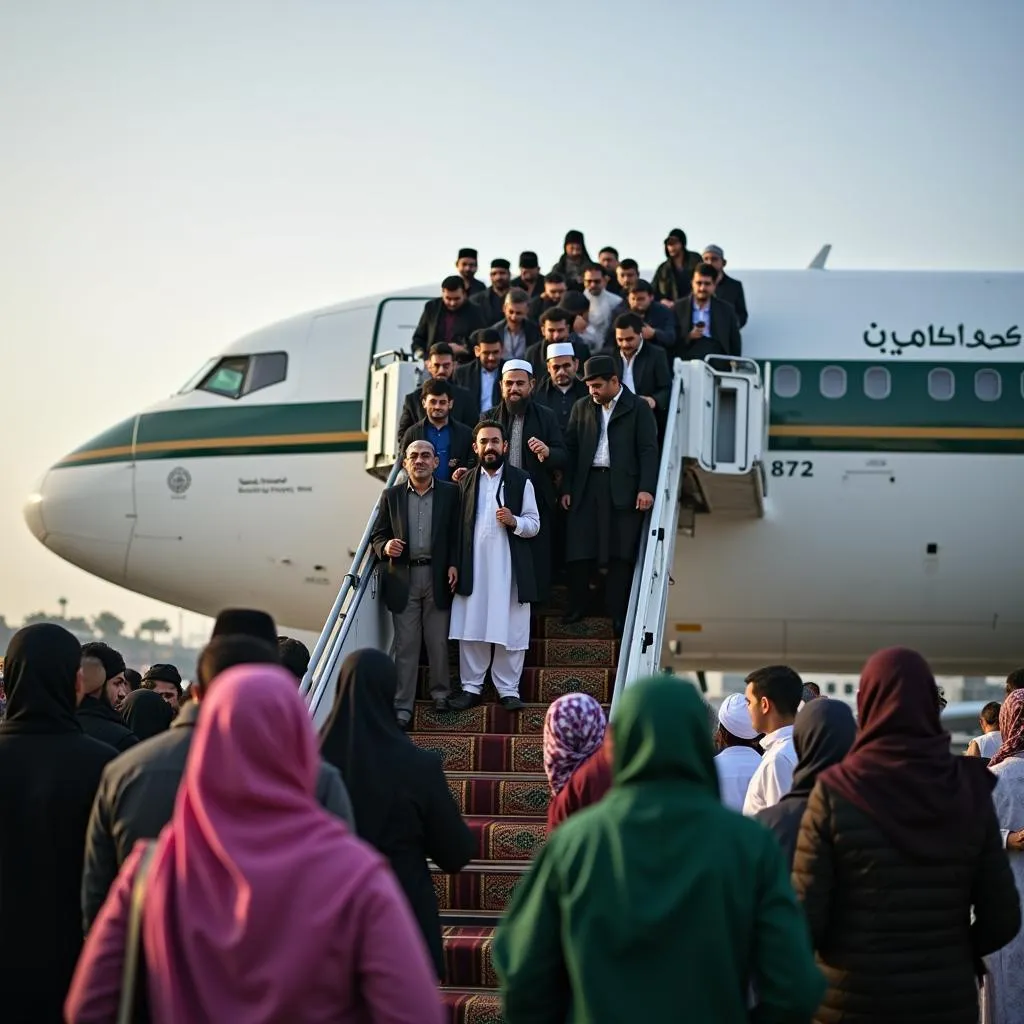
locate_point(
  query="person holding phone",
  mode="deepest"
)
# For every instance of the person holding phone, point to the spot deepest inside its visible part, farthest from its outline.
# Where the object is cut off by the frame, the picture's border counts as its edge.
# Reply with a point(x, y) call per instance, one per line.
point(706, 325)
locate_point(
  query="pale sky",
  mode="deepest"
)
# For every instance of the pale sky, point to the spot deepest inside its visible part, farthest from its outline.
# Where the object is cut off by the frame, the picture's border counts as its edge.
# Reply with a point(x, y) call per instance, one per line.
point(175, 174)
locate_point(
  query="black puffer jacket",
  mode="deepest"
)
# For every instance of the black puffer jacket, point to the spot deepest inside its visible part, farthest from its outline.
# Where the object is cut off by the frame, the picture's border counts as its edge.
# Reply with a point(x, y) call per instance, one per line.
point(894, 936)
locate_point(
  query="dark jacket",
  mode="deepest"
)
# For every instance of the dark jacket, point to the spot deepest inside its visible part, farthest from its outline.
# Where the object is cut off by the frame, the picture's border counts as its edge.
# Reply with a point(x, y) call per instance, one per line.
point(632, 443)
point(460, 452)
point(490, 303)
point(540, 422)
point(725, 331)
point(651, 374)
point(136, 799)
point(730, 290)
point(465, 408)
point(893, 935)
point(658, 317)
point(534, 290)
point(514, 486)
point(559, 402)
point(468, 376)
point(392, 523)
point(103, 723)
point(531, 335)
point(672, 283)
point(539, 305)
point(468, 318)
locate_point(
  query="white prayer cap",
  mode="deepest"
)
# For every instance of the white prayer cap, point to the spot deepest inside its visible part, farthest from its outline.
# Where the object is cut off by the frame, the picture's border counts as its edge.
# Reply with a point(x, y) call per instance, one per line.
point(734, 717)
point(560, 348)
point(517, 364)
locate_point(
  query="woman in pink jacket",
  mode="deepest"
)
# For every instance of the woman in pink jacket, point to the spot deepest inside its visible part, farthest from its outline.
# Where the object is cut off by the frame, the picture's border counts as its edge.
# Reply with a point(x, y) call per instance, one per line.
point(258, 906)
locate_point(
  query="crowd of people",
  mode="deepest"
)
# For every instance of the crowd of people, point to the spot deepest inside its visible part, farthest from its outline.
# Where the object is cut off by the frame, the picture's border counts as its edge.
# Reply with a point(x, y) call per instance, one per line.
point(226, 863)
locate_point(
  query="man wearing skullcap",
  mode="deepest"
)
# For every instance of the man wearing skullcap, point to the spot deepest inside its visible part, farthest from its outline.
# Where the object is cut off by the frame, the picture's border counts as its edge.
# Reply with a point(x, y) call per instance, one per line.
point(530, 279)
point(535, 445)
point(561, 388)
point(727, 288)
point(451, 318)
point(738, 753)
point(491, 300)
point(491, 608)
point(465, 266)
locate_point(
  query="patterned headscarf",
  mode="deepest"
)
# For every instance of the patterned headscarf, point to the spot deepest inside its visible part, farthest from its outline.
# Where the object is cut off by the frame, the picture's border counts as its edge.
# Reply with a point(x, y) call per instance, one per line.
point(1011, 727)
point(573, 729)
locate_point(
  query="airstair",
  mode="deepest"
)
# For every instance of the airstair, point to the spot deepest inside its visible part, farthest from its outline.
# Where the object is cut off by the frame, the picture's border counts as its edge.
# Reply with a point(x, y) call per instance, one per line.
point(711, 464)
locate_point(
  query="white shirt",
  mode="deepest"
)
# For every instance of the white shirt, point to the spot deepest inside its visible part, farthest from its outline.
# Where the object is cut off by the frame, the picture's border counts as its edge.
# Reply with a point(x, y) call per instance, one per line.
point(487, 379)
point(774, 776)
point(989, 743)
point(627, 368)
point(603, 455)
point(601, 309)
point(736, 767)
point(515, 344)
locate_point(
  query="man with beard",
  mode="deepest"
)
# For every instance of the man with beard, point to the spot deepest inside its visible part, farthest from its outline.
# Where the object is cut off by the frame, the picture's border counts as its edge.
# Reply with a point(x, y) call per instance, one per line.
point(530, 279)
point(518, 332)
point(608, 257)
point(604, 305)
point(452, 442)
point(556, 327)
point(706, 325)
point(491, 608)
point(659, 325)
point(641, 367)
point(103, 689)
point(727, 288)
point(561, 389)
point(492, 299)
point(440, 365)
point(535, 445)
point(573, 261)
point(673, 278)
point(482, 377)
point(450, 318)
point(611, 477)
point(465, 267)
point(551, 296)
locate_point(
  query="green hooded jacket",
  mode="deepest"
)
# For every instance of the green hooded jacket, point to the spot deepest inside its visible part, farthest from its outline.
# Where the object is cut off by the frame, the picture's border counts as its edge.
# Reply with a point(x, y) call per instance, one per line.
point(657, 904)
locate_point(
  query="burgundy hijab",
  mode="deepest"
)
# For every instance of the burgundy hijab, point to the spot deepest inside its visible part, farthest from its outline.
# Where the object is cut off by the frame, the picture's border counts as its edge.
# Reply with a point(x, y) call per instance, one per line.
point(900, 771)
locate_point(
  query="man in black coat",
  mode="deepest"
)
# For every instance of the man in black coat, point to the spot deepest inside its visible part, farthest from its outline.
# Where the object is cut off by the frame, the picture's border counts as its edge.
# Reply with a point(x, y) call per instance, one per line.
point(610, 482)
point(49, 772)
point(491, 609)
point(530, 279)
point(535, 445)
point(659, 325)
point(417, 534)
point(482, 377)
point(553, 293)
point(451, 318)
point(560, 388)
point(465, 266)
point(556, 326)
point(641, 367)
point(727, 288)
point(452, 442)
point(104, 686)
point(440, 365)
point(706, 325)
point(518, 332)
point(492, 299)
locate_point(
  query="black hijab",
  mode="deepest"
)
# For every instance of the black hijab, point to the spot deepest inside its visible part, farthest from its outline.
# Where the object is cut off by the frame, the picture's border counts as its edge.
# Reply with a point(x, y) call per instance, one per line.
point(363, 741)
point(823, 734)
point(40, 669)
point(146, 713)
point(901, 772)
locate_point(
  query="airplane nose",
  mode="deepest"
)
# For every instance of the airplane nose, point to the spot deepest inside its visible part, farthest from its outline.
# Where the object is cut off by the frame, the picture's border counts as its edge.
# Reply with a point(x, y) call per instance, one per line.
point(83, 510)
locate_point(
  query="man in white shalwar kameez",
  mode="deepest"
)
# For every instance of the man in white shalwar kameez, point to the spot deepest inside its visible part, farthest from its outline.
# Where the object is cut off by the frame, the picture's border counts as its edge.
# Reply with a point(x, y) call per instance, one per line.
point(490, 621)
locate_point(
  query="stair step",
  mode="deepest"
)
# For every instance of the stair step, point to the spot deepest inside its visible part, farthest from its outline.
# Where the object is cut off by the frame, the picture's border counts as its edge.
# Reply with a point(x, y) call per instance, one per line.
point(472, 1006)
point(572, 653)
point(483, 888)
point(497, 794)
point(551, 627)
point(467, 956)
point(543, 685)
point(506, 838)
point(482, 752)
point(487, 717)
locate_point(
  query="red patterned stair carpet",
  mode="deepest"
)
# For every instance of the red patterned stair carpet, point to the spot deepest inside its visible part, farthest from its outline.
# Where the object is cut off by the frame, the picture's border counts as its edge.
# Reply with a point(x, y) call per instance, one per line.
point(494, 765)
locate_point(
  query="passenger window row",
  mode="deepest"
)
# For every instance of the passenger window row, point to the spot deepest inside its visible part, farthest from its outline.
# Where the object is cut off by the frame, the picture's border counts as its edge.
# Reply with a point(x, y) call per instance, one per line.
point(877, 384)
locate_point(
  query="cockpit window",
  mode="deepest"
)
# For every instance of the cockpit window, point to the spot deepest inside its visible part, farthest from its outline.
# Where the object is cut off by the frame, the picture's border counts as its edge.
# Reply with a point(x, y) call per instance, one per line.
point(235, 376)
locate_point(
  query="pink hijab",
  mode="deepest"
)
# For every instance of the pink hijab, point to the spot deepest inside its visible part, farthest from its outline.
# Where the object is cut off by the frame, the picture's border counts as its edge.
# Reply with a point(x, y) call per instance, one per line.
point(250, 882)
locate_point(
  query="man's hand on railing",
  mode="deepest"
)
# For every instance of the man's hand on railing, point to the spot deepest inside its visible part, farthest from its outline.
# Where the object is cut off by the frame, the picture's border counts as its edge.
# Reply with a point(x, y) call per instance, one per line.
point(644, 501)
point(394, 547)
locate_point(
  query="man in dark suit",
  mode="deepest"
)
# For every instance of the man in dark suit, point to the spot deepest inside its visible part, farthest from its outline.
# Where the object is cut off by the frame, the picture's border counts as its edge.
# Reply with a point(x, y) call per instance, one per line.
point(610, 482)
point(482, 377)
point(492, 299)
point(465, 266)
point(417, 533)
point(659, 325)
point(556, 326)
point(560, 388)
point(641, 367)
point(536, 446)
point(727, 288)
point(452, 441)
point(518, 332)
point(706, 325)
point(530, 279)
point(554, 289)
point(450, 318)
point(440, 365)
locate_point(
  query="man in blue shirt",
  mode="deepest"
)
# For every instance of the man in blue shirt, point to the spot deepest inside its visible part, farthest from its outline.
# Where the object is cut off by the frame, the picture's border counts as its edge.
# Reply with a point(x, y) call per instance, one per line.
point(452, 441)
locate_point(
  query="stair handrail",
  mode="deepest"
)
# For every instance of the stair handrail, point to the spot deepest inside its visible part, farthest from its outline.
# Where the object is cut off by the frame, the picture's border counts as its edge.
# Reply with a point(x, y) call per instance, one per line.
point(644, 629)
point(333, 634)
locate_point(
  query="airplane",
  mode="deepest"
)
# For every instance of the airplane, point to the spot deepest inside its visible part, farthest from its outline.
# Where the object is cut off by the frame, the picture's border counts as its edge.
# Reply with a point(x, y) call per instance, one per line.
point(894, 475)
